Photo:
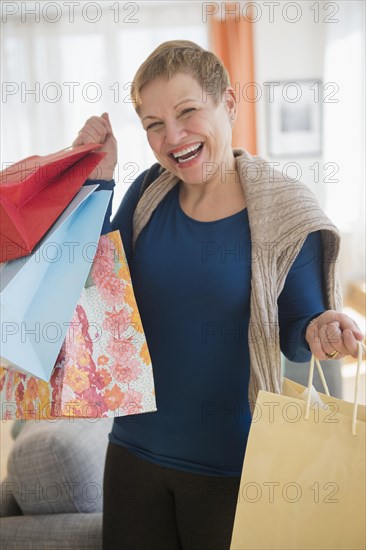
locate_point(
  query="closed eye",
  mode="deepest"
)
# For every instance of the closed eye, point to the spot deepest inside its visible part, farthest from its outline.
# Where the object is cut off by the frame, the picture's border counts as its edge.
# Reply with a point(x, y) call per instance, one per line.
point(189, 110)
point(153, 125)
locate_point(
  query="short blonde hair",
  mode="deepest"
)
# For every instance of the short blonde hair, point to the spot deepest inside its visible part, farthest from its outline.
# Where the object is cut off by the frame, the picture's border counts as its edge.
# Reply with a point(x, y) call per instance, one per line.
point(182, 56)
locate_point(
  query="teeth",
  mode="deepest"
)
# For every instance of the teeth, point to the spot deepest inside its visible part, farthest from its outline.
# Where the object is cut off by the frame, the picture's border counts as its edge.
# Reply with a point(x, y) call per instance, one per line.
point(187, 150)
point(181, 161)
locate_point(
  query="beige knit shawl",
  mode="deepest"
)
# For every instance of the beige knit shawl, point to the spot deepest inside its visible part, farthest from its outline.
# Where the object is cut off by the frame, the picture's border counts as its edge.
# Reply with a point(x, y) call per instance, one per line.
point(281, 214)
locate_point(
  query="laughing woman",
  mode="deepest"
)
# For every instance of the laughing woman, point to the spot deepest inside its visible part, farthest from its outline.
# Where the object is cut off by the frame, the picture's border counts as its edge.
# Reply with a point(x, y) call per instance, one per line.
point(230, 265)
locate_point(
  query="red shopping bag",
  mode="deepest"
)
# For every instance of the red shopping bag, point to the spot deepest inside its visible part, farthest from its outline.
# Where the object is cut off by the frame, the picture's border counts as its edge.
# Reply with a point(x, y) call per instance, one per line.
point(35, 191)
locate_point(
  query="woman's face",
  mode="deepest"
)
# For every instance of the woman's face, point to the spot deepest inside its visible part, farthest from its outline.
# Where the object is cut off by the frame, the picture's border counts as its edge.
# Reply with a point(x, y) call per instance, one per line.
point(188, 133)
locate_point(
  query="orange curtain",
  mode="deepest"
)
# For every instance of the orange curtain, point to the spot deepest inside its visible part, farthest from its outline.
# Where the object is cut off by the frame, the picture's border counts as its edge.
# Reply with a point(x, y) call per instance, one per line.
point(231, 39)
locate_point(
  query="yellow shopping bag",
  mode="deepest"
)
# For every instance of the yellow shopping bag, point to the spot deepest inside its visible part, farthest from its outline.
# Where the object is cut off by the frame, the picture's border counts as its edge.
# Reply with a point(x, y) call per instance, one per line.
point(303, 479)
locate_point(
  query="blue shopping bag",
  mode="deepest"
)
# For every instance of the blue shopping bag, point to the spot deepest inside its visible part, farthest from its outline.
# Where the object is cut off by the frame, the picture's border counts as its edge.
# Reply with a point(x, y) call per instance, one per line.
point(39, 292)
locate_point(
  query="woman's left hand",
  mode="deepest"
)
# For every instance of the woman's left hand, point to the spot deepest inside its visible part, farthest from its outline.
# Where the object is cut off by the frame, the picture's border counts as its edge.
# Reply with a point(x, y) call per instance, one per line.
point(332, 335)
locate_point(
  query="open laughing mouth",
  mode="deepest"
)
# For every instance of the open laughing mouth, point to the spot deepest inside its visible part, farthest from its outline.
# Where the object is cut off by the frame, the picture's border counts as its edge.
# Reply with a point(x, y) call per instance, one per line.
point(187, 154)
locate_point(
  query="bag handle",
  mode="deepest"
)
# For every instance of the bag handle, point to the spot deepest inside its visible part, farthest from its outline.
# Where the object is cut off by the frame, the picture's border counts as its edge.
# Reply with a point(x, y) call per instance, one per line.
point(360, 349)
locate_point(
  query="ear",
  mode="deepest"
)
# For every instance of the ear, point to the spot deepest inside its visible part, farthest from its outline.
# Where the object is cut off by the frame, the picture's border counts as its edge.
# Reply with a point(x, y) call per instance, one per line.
point(230, 103)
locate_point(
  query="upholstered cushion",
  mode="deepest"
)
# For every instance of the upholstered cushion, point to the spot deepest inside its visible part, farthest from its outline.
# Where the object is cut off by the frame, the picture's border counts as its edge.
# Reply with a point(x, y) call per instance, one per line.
point(52, 532)
point(8, 504)
point(57, 466)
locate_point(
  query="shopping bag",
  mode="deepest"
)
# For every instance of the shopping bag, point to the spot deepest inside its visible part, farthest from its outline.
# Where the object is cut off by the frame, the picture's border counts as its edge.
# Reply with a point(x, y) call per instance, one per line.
point(24, 397)
point(104, 367)
point(34, 192)
point(39, 292)
point(303, 478)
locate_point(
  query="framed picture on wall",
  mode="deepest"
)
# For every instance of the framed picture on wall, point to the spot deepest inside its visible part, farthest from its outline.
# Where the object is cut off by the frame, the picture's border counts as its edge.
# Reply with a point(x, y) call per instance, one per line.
point(294, 116)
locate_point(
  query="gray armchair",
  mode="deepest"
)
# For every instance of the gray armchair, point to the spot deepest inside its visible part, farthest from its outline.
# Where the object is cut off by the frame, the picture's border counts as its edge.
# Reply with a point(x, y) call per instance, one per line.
point(52, 496)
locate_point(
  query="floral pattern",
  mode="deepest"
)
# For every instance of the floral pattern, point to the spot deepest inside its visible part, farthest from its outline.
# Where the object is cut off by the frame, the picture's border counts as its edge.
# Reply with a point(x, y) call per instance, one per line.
point(104, 367)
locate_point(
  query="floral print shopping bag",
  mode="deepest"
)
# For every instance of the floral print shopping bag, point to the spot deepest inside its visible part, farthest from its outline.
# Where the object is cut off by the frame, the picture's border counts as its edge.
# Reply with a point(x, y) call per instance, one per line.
point(104, 367)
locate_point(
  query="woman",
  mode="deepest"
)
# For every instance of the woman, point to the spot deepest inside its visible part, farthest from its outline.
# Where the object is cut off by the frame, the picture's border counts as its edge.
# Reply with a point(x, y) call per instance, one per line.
point(229, 263)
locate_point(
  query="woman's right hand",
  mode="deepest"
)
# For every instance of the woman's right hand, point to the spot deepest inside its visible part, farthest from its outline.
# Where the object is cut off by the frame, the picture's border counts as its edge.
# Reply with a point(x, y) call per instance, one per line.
point(98, 129)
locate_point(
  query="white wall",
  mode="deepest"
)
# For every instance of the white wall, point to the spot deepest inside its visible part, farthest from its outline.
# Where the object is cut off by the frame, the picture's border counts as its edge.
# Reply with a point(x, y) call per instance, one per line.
point(296, 51)
point(292, 52)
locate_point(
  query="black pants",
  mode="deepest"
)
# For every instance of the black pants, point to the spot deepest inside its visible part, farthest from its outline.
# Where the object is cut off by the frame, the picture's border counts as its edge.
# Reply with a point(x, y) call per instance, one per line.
point(149, 507)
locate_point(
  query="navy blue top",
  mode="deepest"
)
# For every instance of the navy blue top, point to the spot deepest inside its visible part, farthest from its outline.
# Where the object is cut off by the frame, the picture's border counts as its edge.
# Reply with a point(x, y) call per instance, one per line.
point(191, 281)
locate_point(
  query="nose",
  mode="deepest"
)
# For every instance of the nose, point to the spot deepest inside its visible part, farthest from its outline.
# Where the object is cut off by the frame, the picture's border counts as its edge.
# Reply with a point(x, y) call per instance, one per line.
point(174, 132)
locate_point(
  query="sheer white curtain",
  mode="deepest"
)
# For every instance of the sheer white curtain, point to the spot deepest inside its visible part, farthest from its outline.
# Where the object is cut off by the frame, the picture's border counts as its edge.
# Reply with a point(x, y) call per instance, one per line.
point(57, 74)
point(344, 132)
